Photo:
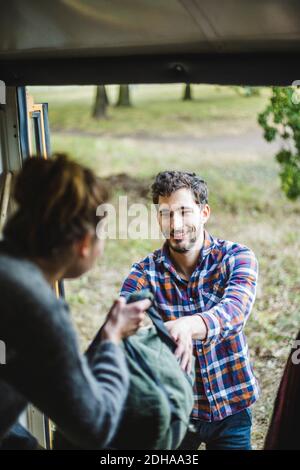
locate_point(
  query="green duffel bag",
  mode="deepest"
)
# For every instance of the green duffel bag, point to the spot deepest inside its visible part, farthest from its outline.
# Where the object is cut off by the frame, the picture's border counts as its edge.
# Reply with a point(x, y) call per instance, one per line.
point(160, 398)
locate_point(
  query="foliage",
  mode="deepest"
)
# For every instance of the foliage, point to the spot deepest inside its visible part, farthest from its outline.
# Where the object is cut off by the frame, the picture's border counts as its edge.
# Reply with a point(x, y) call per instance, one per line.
point(281, 119)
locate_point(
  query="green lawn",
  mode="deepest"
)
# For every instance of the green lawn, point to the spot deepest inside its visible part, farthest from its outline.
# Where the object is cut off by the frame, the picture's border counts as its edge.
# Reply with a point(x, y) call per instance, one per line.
point(215, 135)
point(156, 109)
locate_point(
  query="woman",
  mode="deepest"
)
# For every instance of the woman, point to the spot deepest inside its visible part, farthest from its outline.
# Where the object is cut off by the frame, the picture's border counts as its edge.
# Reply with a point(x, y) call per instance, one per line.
point(283, 432)
point(52, 236)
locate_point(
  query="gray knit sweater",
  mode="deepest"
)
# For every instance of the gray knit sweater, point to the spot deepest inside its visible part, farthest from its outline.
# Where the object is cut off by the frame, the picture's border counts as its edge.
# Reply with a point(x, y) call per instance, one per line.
point(83, 395)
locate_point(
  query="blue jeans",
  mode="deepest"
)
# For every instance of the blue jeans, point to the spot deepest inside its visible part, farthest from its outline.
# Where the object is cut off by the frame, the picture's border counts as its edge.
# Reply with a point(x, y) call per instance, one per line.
point(231, 433)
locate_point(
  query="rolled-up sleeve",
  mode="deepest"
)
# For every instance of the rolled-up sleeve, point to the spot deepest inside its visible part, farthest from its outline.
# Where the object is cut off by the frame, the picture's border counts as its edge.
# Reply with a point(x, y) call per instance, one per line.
point(229, 316)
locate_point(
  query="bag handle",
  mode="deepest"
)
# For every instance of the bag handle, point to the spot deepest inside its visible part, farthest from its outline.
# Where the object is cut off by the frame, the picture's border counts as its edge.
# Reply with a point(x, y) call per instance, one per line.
point(154, 316)
point(157, 322)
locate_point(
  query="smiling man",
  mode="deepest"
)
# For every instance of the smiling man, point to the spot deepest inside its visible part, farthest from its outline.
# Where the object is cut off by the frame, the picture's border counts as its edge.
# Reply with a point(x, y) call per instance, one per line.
point(204, 289)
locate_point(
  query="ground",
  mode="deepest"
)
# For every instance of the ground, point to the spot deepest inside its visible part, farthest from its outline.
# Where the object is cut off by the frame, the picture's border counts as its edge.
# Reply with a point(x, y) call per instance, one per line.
point(216, 136)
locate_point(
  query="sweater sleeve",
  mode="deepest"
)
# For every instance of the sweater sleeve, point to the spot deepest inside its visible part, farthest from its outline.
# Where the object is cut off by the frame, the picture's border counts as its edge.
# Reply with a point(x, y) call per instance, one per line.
point(83, 397)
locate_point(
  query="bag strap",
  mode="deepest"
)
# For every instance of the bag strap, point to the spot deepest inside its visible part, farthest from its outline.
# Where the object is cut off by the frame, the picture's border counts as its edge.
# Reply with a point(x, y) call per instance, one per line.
point(161, 329)
point(157, 321)
point(154, 316)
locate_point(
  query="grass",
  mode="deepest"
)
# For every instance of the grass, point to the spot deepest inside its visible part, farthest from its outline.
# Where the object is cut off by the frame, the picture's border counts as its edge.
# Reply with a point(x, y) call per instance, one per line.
point(211, 137)
point(155, 108)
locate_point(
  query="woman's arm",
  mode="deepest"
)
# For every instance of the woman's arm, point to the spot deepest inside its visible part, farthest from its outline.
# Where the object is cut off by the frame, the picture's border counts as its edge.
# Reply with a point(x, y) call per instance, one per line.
point(84, 399)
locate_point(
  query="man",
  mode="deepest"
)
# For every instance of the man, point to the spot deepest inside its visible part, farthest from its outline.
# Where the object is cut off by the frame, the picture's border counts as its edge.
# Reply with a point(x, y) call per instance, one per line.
point(204, 290)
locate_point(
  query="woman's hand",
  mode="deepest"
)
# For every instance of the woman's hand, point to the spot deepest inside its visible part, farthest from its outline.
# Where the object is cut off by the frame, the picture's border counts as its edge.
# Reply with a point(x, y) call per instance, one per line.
point(124, 319)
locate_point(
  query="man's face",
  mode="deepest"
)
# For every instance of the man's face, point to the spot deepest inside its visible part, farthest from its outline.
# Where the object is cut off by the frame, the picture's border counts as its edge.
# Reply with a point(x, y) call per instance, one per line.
point(181, 219)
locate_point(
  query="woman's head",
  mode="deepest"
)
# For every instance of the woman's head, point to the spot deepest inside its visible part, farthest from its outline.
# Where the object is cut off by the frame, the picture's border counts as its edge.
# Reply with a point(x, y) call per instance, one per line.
point(56, 216)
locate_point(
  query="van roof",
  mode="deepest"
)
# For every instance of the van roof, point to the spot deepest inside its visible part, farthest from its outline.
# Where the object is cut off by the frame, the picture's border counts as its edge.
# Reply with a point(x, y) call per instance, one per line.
point(144, 41)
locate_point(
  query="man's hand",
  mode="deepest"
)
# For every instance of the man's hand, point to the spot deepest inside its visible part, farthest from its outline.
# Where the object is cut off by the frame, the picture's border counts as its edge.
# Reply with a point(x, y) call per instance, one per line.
point(182, 335)
point(183, 331)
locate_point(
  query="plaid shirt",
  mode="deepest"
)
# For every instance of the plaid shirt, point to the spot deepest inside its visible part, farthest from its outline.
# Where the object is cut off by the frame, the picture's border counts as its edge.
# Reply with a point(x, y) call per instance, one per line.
point(222, 291)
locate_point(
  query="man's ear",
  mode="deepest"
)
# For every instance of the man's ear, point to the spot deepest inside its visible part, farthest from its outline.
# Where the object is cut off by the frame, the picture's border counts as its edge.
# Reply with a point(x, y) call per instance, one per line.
point(205, 213)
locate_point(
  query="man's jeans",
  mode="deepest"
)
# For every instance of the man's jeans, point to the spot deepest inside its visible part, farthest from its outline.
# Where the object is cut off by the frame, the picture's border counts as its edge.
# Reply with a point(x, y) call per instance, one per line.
point(233, 432)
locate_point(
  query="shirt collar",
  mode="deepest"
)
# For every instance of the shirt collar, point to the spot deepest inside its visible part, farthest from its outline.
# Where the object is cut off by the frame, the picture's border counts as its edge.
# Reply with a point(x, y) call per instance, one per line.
point(208, 244)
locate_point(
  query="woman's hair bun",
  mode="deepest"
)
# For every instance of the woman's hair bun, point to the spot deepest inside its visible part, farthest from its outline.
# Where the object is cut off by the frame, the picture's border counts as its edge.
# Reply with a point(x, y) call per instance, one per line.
point(30, 181)
point(57, 203)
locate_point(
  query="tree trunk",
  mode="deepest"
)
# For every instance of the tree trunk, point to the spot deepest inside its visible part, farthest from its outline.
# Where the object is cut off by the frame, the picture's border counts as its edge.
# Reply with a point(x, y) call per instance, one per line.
point(187, 96)
point(101, 103)
point(124, 96)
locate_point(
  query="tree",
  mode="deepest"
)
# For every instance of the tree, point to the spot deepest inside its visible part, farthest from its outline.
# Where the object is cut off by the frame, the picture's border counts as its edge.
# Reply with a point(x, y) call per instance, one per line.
point(124, 96)
point(187, 95)
point(281, 118)
point(101, 103)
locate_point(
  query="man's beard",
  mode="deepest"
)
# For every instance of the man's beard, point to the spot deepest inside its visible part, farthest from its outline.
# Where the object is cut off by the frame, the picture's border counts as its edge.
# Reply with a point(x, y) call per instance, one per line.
point(183, 246)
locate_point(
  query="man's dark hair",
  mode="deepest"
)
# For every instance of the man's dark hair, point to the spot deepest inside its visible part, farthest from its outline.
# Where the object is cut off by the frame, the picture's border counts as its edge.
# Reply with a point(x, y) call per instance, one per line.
point(167, 182)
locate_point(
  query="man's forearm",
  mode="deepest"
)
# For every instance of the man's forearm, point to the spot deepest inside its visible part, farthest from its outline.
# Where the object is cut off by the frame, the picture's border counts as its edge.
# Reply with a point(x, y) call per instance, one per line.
point(198, 326)
point(193, 325)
